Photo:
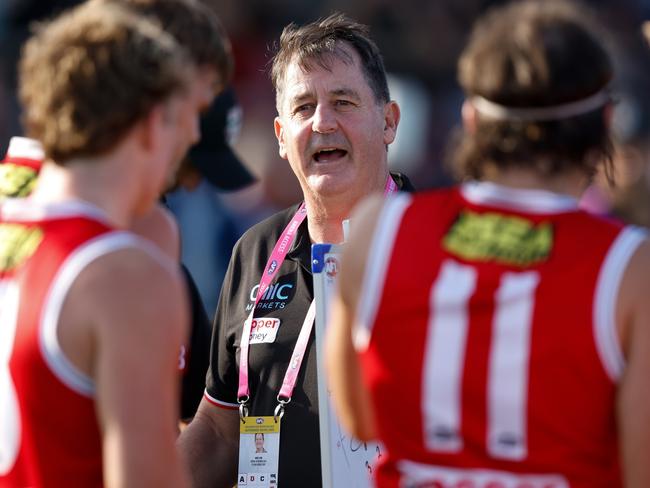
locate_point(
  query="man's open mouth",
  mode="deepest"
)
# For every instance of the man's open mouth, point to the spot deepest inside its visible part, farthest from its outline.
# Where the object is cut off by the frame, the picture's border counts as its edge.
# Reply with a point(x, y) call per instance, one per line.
point(329, 154)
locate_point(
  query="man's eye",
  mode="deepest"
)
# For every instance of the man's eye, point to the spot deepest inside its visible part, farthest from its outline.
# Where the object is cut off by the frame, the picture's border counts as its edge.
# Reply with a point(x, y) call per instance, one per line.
point(343, 103)
point(303, 108)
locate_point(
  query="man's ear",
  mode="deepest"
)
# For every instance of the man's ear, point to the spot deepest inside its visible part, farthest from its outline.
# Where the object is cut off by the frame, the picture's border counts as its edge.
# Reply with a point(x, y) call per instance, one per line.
point(391, 121)
point(468, 113)
point(279, 134)
point(149, 130)
point(143, 131)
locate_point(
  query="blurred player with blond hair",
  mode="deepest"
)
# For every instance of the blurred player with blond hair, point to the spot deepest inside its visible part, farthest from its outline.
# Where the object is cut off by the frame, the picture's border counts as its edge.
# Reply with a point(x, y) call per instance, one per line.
point(92, 317)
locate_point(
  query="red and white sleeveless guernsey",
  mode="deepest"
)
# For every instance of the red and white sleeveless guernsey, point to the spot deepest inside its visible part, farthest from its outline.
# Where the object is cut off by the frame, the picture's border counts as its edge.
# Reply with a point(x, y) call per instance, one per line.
point(487, 338)
point(49, 434)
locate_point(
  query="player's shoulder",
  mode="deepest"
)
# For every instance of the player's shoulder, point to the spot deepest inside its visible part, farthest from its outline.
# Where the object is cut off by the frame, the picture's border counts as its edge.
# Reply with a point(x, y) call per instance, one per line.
point(124, 281)
point(634, 243)
point(123, 261)
point(377, 209)
point(631, 250)
point(160, 227)
point(373, 217)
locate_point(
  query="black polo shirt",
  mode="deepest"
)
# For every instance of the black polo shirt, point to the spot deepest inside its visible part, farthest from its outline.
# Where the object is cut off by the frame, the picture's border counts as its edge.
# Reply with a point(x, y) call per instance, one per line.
point(287, 300)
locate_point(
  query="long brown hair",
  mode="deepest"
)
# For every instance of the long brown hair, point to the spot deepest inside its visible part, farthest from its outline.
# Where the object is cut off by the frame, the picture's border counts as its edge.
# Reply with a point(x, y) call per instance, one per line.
point(535, 53)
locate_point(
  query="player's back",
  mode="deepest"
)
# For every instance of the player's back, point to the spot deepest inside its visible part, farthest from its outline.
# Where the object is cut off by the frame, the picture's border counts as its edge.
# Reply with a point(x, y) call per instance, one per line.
point(493, 356)
point(50, 435)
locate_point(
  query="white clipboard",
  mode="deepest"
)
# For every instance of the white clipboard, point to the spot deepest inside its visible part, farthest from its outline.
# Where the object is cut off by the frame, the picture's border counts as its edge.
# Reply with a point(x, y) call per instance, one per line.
point(345, 461)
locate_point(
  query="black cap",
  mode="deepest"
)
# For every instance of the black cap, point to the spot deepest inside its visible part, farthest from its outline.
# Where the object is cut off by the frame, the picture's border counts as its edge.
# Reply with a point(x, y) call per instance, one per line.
point(213, 157)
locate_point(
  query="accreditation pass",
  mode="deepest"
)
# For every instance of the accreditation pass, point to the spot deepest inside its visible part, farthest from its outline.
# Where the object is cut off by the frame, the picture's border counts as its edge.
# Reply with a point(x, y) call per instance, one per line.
point(259, 452)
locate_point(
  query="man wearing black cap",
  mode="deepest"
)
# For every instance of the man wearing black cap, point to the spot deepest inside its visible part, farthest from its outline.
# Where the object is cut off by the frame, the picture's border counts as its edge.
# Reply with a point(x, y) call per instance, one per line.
point(213, 157)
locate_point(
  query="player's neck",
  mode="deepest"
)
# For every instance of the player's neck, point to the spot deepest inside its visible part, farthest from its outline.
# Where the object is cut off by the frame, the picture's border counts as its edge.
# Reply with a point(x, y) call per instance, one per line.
point(571, 183)
point(96, 182)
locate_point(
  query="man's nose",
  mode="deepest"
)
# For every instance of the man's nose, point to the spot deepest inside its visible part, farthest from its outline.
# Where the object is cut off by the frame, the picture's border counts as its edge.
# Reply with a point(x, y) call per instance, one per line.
point(324, 119)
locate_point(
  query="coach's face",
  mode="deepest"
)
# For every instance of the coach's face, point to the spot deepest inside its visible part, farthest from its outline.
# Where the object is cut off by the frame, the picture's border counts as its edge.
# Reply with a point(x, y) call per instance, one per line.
point(332, 129)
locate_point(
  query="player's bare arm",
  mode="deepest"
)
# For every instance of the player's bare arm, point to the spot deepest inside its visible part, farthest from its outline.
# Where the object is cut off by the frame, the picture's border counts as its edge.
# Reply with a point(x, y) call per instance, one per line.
point(344, 374)
point(634, 394)
point(129, 305)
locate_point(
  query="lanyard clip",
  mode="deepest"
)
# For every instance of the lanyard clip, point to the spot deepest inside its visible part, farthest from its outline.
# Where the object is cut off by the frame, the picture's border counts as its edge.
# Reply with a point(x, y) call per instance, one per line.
point(243, 408)
point(279, 410)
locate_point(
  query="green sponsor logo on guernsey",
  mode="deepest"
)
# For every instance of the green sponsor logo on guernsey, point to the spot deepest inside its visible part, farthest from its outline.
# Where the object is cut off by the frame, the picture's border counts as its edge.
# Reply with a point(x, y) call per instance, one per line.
point(17, 244)
point(501, 238)
point(16, 181)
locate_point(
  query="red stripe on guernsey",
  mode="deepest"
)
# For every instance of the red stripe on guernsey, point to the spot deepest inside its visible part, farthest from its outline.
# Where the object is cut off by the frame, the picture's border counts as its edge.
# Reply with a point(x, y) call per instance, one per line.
point(475, 371)
point(27, 162)
point(536, 317)
point(60, 440)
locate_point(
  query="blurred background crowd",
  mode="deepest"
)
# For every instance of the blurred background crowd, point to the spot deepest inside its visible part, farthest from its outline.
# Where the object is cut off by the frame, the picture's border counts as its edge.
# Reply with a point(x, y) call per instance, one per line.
point(421, 41)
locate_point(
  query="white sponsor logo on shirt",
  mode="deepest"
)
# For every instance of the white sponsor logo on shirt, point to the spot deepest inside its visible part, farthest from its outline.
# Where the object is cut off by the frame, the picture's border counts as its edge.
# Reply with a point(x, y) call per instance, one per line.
point(275, 297)
point(264, 330)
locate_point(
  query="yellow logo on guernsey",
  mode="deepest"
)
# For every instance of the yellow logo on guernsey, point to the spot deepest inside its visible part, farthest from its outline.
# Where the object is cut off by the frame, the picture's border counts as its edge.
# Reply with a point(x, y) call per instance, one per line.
point(17, 244)
point(16, 181)
point(502, 238)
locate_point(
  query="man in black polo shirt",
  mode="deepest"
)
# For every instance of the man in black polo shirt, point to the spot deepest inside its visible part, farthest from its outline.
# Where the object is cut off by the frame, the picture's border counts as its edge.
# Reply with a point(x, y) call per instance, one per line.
point(335, 122)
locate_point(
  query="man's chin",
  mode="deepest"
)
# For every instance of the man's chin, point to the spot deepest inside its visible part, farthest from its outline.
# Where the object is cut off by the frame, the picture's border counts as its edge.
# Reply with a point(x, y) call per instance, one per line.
point(330, 185)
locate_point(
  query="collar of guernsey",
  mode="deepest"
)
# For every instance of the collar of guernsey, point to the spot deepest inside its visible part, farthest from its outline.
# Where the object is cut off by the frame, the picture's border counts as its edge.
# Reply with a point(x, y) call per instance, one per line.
point(271, 269)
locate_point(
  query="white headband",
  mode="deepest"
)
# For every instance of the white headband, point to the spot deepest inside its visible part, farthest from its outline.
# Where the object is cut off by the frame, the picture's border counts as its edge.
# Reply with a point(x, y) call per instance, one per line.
point(554, 112)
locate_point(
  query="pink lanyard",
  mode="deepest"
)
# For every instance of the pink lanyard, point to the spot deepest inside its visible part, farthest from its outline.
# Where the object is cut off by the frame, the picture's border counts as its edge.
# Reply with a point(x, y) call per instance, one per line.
point(271, 269)
point(278, 255)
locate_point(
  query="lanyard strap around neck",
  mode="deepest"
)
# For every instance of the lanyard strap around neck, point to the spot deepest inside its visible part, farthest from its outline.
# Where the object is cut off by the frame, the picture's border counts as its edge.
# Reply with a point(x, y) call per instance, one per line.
point(271, 269)
point(278, 255)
